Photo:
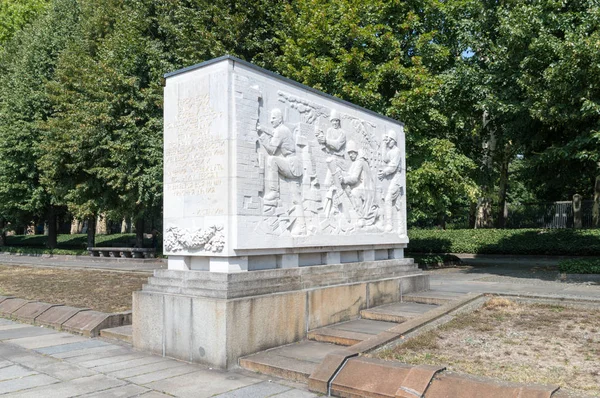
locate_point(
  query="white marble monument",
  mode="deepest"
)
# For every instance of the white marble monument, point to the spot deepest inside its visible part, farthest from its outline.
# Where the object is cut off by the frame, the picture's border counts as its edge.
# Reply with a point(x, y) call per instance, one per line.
point(262, 172)
point(303, 190)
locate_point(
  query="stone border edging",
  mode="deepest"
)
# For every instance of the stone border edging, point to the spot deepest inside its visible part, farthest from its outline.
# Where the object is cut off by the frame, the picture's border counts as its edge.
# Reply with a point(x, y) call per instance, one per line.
point(322, 377)
point(345, 373)
point(82, 321)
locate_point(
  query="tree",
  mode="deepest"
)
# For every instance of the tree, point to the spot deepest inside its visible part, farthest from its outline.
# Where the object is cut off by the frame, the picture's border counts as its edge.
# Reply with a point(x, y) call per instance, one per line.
point(26, 64)
point(396, 58)
point(14, 15)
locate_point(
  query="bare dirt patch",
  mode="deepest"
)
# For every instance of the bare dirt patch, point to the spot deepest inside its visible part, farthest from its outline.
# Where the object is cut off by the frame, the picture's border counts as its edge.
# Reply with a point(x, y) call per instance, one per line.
point(514, 341)
point(104, 291)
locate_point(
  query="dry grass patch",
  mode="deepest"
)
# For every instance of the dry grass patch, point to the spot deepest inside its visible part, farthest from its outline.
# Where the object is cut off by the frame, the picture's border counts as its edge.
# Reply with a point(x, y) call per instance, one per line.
point(104, 291)
point(512, 341)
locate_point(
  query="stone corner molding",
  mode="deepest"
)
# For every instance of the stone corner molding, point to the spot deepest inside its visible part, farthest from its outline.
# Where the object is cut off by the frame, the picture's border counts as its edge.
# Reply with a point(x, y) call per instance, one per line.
point(210, 239)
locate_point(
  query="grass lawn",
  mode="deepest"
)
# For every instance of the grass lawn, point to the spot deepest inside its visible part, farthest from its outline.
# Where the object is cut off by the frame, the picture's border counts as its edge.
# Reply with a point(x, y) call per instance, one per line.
point(518, 342)
point(104, 291)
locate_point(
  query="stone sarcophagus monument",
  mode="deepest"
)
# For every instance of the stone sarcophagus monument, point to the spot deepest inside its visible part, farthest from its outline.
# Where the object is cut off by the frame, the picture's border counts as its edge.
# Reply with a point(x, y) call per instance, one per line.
point(284, 211)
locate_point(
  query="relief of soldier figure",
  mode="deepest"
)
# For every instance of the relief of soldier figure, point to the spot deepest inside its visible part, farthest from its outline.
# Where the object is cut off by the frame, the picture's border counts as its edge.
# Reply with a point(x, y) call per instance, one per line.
point(351, 197)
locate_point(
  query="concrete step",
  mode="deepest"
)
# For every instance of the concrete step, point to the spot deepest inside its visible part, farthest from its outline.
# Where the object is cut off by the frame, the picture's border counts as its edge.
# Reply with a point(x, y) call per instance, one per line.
point(122, 333)
point(396, 312)
point(432, 297)
point(351, 332)
point(292, 362)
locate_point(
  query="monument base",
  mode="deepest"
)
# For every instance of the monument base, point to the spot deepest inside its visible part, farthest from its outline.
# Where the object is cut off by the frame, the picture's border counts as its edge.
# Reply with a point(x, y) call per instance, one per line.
point(215, 318)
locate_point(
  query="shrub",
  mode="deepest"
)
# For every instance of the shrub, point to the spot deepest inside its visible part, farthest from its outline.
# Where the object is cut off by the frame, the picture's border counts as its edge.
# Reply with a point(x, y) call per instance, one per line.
point(579, 266)
point(506, 241)
point(434, 260)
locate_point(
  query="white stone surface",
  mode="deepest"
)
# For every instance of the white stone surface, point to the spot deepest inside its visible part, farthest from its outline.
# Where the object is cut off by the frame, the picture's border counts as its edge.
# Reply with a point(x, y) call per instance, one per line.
point(258, 165)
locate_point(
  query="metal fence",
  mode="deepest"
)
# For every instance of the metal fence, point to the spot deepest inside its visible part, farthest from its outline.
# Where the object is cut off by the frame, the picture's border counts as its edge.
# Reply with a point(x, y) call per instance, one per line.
point(523, 215)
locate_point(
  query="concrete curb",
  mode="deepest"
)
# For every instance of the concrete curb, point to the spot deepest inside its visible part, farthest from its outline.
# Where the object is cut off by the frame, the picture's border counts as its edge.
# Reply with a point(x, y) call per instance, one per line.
point(60, 317)
point(346, 373)
point(86, 257)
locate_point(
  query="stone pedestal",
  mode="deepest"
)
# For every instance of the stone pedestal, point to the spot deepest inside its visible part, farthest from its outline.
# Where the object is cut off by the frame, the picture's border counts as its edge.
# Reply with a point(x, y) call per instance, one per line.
point(215, 318)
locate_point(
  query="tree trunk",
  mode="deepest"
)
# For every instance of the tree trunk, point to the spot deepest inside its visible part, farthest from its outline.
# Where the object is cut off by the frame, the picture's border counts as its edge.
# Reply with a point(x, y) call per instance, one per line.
point(483, 210)
point(502, 190)
point(102, 225)
point(91, 231)
point(596, 208)
point(52, 231)
point(2, 233)
point(139, 232)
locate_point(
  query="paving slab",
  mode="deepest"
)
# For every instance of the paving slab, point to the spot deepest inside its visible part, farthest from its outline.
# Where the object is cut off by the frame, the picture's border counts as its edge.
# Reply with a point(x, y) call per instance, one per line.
point(202, 383)
point(366, 326)
point(2, 298)
point(122, 333)
point(30, 311)
point(44, 364)
point(72, 388)
point(112, 360)
point(291, 362)
point(10, 386)
point(158, 375)
point(130, 390)
point(397, 312)
point(69, 347)
point(258, 390)
point(120, 365)
point(29, 331)
point(296, 394)
point(13, 326)
point(144, 369)
point(56, 316)
point(336, 336)
point(431, 297)
point(155, 394)
point(10, 305)
point(14, 371)
point(49, 340)
point(97, 354)
point(89, 353)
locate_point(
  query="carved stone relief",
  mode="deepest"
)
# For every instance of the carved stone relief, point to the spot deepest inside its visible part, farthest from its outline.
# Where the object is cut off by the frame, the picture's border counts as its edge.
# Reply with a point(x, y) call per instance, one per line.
point(210, 239)
point(338, 178)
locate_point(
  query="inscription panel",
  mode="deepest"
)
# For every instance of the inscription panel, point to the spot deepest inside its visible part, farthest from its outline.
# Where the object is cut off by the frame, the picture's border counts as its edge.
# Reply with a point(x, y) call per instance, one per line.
point(195, 161)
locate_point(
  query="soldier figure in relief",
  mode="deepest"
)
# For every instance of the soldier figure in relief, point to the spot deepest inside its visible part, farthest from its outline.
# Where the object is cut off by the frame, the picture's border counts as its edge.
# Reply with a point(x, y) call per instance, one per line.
point(334, 142)
point(392, 157)
point(361, 184)
point(282, 160)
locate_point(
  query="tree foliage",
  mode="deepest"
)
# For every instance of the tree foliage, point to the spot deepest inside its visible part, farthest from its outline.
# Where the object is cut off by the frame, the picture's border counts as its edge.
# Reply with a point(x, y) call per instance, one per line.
point(14, 15)
point(476, 83)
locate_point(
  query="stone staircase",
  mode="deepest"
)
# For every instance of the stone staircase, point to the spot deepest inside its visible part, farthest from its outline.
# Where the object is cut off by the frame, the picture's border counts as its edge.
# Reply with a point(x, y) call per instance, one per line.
point(299, 360)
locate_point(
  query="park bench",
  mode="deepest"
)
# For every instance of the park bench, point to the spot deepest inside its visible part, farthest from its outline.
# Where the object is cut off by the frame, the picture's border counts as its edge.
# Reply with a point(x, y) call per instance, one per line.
point(125, 252)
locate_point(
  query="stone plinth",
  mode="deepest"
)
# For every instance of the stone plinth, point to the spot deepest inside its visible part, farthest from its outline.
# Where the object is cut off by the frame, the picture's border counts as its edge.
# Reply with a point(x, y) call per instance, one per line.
point(216, 318)
point(262, 172)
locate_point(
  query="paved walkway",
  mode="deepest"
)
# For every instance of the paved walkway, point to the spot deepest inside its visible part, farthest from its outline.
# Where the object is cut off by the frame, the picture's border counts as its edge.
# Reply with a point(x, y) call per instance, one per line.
point(40, 362)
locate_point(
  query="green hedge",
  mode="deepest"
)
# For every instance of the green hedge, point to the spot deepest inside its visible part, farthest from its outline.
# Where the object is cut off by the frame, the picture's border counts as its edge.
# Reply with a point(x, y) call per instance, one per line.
point(591, 266)
point(434, 260)
point(506, 241)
